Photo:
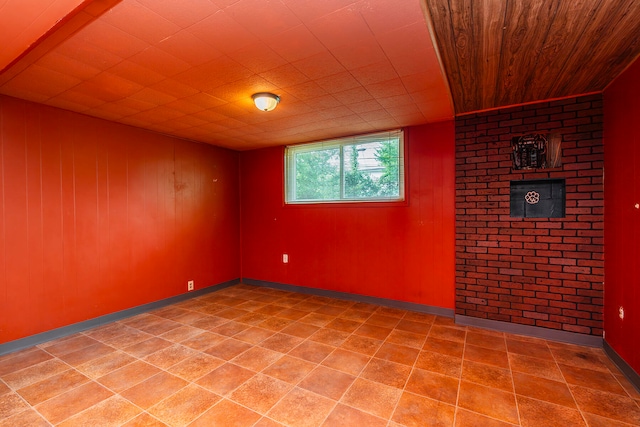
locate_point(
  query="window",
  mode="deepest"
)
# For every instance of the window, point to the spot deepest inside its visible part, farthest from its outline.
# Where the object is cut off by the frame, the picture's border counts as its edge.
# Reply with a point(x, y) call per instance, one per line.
point(361, 168)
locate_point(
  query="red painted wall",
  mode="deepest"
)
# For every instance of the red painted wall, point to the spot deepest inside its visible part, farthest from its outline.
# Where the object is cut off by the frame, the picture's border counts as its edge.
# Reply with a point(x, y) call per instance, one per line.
point(98, 217)
point(622, 218)
point(400, 252)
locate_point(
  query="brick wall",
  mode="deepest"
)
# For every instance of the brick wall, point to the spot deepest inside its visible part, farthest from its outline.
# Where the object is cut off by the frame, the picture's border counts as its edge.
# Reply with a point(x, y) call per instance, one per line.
point(531, 271)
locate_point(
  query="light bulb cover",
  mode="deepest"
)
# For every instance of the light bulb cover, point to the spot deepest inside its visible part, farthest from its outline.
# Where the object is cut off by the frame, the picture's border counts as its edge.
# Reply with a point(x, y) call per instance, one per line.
point(265, 101)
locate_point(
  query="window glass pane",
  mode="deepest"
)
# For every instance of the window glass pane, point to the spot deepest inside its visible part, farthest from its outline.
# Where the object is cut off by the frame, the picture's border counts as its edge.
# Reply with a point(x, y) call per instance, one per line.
point(360, 168)
point(318, 175)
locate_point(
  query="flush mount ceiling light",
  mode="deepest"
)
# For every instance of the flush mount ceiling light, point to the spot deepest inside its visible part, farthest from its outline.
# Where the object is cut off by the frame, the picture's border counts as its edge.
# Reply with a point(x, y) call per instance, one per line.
point(265, 101)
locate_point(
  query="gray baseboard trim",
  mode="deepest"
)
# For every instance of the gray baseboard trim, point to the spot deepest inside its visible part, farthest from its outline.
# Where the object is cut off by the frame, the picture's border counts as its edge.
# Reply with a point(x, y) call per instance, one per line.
point(53, 334)
point(531, 331)
point(627, 370)
point(403, 305)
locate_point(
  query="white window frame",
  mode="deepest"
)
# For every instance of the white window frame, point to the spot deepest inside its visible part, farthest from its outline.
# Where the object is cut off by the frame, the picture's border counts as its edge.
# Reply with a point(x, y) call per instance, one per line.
point(290, 167)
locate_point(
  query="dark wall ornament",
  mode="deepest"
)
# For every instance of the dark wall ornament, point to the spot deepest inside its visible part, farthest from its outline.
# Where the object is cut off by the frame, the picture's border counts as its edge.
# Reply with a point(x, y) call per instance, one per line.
point(536, 151)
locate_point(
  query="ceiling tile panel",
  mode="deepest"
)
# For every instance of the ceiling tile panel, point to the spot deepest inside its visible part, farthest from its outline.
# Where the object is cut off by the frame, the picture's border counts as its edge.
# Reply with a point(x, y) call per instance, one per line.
point(222, 32)
point(42, 80)
point(111, 39)
point(263, 18)
point(364, 106)
point(153, 96)
point(160, 61)
point(359, 53)
point(306, 90)
point(139, 21)
point(388, 88)
point(375, 73)
point(284, 75)
point(81, 98)
point(189, 48)
point(136, 73)
point(257, 57)
point(118, 84)
point(340, 27)
point(319, 65)
point(64, 64)
point(308, 10)
point(181, 13)
point(353, 96)
point(174, 88)
point(295, 44)
point(338, 82)
point(88, 53)
point(385, 16)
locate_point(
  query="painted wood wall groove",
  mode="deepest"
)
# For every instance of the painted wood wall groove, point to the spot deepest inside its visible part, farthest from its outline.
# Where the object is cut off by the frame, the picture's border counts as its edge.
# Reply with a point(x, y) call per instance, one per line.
point(99, 217)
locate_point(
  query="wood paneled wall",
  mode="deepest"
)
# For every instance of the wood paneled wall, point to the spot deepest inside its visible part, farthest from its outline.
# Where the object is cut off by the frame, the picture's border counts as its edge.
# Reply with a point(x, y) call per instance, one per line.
point(97, 217)
point(403, 252)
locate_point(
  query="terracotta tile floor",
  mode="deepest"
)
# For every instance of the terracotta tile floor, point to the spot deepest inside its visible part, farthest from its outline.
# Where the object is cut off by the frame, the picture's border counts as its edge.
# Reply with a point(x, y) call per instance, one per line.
point(248, 356)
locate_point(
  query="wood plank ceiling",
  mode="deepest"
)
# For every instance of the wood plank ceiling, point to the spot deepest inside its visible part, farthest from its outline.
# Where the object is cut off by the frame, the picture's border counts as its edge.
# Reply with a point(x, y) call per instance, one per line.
point(506, 52)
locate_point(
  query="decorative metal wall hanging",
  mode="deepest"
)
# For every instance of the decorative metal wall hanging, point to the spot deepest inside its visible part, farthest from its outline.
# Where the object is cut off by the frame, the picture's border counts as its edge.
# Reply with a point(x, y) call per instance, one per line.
point(536, 151)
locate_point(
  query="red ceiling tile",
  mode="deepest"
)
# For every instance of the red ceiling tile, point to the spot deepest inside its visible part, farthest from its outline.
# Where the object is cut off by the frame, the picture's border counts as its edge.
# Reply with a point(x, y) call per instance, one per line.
point(359, 53)
point(338, 82)
point(320, 65)
point(42, 80)
point(374, 73)
point(353, 96)
point(364, 106)
point(306, 90)
point(295, 44)
point(187, 47)
point(160, 61)
point(308, 10)
point(136, 73)
point(111, 39)
point(340, 27)
point(81, 98)
point(180, 13)
point(88, 53)
point(386, 89)
point(153, 96)
point(257, 57)
point(122, 86)
point(139, 21)
point(185, 106)
point(174, 88)
point(222, 32)
point(386, 15)
point(285, 75)
point(263, 18)
point(61, 63)
point(204, 99)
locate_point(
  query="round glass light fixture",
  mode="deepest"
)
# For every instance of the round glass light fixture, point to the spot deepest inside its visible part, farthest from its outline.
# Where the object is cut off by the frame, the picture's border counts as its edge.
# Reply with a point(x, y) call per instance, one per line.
point(265, 101)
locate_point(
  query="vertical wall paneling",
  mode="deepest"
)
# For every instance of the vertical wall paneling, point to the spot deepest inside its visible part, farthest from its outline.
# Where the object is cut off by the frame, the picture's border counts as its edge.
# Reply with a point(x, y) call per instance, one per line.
point(98, 217)
point(397, 251)
point(622, 218)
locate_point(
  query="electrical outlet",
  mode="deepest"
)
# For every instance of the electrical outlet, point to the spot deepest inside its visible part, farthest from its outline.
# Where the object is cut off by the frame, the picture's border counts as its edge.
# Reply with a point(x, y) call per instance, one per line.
point(190, 285)
point(285, 258)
